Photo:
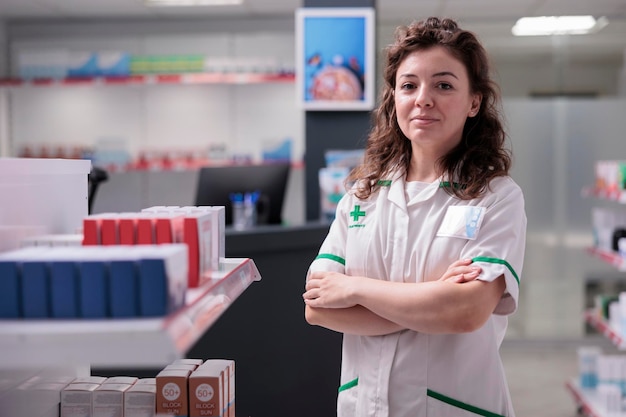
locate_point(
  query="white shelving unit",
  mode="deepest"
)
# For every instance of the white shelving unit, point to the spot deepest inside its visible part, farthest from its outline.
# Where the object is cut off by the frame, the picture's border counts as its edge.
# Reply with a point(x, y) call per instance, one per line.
point(151, 79)
point(138, 112)
point(50, 348)
point(587, 400)
point(612, 258)
point(130, 342)
point(603, 327)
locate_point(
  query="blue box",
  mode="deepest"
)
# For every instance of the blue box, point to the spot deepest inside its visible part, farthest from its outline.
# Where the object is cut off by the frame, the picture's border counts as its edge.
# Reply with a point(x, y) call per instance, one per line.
point(35, 289)
point(153, 288)
point(10, 291)
point(64, 289)
point(93, 289)
point(124, 288)
point(163, 275)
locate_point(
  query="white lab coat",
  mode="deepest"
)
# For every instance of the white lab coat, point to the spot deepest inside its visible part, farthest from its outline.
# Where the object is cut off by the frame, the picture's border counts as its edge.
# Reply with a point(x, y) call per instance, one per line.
point(411, 374)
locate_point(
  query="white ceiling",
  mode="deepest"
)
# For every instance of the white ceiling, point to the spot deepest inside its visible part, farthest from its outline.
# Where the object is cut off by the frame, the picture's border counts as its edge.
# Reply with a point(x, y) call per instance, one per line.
point(490, 19)
point(388, 10)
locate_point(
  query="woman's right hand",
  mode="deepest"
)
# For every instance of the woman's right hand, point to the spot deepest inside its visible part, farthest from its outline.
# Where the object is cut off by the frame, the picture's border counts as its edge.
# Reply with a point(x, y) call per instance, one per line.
point(461, 271)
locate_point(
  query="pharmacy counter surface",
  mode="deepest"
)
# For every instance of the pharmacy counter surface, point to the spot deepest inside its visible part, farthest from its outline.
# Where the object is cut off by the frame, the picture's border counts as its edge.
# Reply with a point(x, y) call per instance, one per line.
point(284, 366)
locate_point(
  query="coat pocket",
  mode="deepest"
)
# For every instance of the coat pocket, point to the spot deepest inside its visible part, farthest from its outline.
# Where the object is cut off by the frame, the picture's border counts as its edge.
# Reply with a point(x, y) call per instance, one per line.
point(440, 405)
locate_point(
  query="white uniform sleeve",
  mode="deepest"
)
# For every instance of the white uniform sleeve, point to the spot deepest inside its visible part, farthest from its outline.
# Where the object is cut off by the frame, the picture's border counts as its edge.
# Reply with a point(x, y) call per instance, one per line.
point(332, 253)
point(501, 242)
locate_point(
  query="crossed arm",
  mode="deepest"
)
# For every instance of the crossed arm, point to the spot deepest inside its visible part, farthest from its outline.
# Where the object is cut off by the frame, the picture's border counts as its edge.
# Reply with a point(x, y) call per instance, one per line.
point(455, 303)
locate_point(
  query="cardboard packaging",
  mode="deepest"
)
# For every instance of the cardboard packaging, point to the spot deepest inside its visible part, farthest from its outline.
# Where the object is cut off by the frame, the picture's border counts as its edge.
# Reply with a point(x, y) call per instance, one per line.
point(108, 400)
point(140, 400)
point(172, 392)
point(77, 400)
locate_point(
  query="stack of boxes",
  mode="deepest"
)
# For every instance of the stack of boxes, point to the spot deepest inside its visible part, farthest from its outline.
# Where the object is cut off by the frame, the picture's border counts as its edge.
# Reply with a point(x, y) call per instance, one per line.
point(200, 228)
point(196, 390)
point(604, 376)
point(129, 265)
point(93, 283)
point(186, 387)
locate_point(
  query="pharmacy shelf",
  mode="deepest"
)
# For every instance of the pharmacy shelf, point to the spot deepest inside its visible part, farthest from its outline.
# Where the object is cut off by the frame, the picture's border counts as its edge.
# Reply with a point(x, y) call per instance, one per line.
point(604, 194)
point(593, 318)
point(152, 79)
point(609, 257)
point(588, 402)
point(120, 343)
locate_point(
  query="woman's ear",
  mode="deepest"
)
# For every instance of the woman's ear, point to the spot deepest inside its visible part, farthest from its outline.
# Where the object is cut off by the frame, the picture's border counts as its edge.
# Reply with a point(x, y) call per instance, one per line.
point(476, 101)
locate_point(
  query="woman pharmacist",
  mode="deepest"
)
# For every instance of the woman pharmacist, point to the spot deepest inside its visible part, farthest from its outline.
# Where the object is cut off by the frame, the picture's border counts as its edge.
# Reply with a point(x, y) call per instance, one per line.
point(422, 263)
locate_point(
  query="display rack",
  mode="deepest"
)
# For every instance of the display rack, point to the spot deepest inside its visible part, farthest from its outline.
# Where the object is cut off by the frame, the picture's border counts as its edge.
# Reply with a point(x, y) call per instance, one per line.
point(132, 343)
point(605, 194)
point(593, 318)
point(152, 79)
point(587, 400)
point(610, 257)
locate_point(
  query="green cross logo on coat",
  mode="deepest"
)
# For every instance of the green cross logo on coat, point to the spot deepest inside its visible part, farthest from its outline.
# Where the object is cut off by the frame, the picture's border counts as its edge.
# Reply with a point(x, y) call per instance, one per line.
point(356, 213)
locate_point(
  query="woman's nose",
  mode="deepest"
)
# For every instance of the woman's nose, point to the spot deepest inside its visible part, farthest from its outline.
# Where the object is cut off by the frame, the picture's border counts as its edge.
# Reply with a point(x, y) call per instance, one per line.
point(423, 98)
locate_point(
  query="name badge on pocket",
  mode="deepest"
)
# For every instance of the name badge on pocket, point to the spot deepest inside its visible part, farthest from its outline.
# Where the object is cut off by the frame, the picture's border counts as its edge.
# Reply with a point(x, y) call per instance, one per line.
point(462, 221)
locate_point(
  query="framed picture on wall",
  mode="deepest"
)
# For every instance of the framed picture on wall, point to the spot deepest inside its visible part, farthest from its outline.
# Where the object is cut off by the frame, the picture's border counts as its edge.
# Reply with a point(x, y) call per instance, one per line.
point(335, 58)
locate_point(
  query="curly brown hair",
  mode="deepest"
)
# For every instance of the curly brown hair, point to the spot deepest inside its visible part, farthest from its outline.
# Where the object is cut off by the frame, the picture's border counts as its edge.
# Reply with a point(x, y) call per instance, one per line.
point(481, 154)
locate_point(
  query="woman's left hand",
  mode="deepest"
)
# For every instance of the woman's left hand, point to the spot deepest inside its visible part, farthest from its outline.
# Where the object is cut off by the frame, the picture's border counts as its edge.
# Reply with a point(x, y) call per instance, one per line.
point(329, 290)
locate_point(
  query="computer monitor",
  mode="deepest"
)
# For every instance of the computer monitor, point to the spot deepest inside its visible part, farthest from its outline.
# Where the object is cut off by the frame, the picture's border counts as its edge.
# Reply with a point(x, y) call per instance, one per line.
point(216, 183)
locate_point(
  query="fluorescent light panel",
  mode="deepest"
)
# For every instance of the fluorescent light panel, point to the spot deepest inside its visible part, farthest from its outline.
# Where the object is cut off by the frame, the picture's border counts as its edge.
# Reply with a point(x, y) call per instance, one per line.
point(193, 2)
point(558, 25)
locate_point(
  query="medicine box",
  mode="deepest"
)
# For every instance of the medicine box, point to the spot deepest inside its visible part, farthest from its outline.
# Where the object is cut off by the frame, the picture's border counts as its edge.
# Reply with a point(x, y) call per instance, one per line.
point(212, 389)
point(163, 273)
point(172, 392)
point(77, 400)
point(140, 399)
point(108, 400)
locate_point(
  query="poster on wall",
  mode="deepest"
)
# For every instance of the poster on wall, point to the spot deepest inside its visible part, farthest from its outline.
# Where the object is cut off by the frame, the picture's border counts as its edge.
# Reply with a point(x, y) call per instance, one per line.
point(335, 58)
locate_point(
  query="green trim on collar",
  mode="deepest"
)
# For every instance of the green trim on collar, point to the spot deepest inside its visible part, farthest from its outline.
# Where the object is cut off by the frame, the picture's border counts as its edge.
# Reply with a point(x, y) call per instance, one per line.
point(384, 183)
point(448, 184)
point(497, 261)
point(349, 384)
point(460, 404)
point(331, 257)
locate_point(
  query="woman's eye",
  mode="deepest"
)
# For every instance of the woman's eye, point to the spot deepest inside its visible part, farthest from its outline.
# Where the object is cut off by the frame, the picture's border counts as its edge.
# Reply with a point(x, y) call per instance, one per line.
point(445, 86)
point(407, 86)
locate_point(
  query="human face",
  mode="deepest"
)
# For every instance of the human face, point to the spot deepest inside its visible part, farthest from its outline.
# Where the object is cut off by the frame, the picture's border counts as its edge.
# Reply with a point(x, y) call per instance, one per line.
point(433, 99)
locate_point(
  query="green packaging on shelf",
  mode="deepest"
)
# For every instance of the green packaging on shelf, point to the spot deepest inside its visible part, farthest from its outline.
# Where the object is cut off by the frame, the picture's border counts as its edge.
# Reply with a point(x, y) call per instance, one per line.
point(166, 64)
point(603, 302)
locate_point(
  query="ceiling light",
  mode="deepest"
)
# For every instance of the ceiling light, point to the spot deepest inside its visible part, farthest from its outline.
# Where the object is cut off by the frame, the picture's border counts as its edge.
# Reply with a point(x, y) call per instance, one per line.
point(558, 25)
point(193, 2)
